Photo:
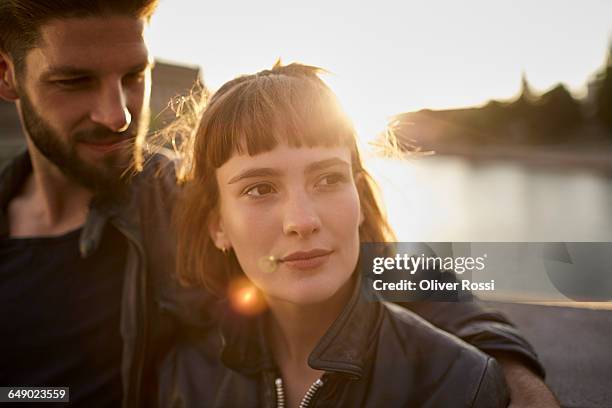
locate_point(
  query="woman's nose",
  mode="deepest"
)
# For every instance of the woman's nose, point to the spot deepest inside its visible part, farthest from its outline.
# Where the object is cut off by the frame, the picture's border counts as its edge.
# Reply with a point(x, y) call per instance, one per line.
point(301, 217)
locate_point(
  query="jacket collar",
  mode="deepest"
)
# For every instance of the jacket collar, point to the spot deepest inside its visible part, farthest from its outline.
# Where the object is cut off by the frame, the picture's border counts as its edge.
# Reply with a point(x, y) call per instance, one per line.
point(12, 179)
point(101, 210)
point(346, 347)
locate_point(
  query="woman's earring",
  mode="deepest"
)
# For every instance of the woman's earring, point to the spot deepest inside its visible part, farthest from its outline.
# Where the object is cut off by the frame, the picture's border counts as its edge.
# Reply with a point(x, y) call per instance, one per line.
point(224, 250)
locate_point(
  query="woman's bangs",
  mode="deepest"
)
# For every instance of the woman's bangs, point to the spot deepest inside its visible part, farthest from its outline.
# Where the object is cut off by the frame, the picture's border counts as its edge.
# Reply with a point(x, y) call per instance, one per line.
point(276, 110)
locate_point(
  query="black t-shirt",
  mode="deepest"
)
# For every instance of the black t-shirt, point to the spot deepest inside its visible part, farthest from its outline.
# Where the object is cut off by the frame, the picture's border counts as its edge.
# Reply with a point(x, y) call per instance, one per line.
point(60, 316)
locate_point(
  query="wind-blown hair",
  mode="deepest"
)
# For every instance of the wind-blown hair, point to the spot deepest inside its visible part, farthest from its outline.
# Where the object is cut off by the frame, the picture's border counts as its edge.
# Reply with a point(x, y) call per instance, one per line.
point(249, 115)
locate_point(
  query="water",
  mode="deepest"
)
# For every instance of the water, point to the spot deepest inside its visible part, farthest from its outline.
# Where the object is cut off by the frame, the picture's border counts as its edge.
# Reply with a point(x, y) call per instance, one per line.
point(447, 198)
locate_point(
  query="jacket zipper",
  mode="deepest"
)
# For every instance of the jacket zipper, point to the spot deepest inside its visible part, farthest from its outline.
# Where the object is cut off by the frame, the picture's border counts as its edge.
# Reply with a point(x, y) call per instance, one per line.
point(305, 403)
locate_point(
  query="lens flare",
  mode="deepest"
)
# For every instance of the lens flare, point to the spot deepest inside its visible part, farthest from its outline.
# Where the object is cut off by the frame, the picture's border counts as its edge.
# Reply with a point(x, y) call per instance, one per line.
point(245, 298)
point(268, 263)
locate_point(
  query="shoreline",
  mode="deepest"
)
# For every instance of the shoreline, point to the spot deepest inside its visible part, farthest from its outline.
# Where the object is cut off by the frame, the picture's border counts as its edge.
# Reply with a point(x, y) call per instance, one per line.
point(591, 158)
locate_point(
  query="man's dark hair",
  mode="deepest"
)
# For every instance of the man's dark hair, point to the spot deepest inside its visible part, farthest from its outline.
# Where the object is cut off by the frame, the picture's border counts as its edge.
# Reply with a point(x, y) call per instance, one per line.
point(20, 20)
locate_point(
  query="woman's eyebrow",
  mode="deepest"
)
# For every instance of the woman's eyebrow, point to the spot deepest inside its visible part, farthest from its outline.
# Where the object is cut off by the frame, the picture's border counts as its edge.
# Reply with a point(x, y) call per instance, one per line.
point(324, 164)
point(269, 172)
point(251, 173)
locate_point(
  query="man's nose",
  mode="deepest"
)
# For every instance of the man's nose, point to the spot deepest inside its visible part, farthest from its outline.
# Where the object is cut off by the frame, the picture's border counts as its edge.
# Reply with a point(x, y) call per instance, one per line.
point(300, 216)
point(110, 109)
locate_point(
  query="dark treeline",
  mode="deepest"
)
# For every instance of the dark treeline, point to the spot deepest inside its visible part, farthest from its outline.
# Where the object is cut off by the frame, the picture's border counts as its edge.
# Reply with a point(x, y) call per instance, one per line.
point(531, 119)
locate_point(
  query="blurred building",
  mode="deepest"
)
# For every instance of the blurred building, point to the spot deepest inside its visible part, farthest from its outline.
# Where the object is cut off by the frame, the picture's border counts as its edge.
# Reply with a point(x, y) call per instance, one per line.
point(169, 80)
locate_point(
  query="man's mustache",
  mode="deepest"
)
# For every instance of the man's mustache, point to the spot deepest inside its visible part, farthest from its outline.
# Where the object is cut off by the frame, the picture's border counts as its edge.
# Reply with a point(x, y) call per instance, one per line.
point(100, 134)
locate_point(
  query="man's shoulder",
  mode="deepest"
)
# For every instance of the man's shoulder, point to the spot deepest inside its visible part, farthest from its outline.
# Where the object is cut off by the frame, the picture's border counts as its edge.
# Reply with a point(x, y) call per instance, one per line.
point(155, 186)
point(157, 170)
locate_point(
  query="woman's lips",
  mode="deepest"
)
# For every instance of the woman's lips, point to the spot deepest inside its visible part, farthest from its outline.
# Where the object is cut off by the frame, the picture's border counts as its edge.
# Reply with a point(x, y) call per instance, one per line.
point(305, 260)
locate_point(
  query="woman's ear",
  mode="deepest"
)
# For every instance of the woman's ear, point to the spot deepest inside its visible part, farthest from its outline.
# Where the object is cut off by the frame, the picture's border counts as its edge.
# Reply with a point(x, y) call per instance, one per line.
point(217, 232)
point(8, 88)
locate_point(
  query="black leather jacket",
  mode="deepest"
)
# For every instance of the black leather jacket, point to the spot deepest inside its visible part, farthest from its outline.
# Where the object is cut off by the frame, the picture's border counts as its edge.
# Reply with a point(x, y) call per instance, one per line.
point(375, 354)
point(156, 310)
point(152, 299)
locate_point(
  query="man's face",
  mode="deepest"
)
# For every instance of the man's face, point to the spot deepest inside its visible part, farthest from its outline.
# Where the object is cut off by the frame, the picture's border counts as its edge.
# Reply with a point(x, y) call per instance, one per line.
point(84, 96)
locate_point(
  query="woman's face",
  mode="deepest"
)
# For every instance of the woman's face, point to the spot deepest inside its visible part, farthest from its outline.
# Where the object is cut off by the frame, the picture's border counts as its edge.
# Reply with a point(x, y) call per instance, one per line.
point(297, 205)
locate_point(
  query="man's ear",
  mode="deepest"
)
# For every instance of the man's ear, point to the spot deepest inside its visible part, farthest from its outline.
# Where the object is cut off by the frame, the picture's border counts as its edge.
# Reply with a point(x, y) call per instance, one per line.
point(217, 232)
point(8, 87)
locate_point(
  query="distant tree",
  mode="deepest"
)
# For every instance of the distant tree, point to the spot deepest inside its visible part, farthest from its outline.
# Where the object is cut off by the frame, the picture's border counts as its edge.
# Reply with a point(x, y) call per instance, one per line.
point(554, 115)
point(527, 93)
point(603, 99)
point(519, 117)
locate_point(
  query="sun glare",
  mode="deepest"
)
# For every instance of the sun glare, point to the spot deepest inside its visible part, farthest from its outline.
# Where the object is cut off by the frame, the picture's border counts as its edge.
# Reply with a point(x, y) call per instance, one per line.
point(369, 117)
point(245, 298)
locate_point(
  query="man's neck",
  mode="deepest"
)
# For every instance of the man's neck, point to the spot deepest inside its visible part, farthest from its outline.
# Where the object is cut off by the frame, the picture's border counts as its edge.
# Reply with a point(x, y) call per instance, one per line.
point(49, 203)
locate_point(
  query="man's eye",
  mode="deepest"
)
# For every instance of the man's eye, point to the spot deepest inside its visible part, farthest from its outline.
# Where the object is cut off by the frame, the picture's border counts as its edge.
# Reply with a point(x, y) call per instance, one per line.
point(73, 82)
point(135, 76)
point(259, 190)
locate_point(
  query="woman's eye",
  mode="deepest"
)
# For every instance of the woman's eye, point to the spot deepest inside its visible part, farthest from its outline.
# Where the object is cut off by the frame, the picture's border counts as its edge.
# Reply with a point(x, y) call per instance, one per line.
point(259, 190)
point(331, 180)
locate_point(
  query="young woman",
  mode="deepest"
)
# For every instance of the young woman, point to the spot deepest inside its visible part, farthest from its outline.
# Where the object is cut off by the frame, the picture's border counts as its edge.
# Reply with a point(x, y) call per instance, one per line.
point(276, 205)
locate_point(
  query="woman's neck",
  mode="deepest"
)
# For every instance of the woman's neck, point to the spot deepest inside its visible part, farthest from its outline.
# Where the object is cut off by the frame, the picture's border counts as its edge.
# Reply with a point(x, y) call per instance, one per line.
point(295, 330)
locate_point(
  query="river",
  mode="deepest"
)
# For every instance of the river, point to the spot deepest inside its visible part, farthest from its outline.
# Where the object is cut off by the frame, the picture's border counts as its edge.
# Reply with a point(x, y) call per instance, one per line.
point(448, 198)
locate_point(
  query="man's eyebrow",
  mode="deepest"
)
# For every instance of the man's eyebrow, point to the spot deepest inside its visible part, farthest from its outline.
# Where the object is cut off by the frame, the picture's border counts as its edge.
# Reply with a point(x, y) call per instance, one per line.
point(66, 70)
point(71, 71)
point(252, 173)
point(142, 66)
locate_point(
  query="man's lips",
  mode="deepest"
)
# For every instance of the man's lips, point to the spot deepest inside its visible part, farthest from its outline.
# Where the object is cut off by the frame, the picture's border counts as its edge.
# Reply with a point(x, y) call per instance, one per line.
point(306, 259)
point(107, 145)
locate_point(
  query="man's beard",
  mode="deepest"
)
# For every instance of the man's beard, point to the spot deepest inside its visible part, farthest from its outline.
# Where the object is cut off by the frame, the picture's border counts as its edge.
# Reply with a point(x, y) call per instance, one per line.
point(109, 175)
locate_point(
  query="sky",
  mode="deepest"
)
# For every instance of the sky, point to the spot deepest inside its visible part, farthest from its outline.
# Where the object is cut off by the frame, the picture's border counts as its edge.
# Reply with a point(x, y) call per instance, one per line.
point(387, 57)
